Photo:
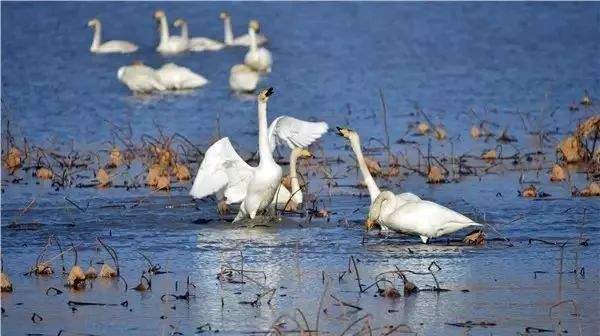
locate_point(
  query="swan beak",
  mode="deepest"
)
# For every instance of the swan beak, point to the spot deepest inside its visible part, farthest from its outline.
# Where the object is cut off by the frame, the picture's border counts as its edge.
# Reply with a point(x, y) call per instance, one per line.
point(341, 131)
point(269, 92)
point(370, 224)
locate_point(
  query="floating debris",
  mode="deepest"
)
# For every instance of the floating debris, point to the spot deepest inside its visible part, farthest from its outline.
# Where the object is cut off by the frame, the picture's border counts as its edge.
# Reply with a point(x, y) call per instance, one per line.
point(490, 155)
point(5, 284)
point(471, 324)
point(12, 160)
point(571, 149)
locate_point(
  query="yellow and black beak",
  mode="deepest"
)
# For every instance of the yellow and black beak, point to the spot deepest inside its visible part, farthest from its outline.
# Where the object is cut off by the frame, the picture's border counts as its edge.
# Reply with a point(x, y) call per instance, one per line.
point(370, 224)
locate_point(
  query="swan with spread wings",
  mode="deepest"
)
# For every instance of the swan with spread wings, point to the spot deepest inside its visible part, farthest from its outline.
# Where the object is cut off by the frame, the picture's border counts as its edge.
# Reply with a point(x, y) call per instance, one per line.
point(225, 173)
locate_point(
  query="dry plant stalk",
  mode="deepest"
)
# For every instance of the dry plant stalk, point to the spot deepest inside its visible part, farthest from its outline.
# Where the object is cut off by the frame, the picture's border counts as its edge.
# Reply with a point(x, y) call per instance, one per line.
point(558, 173)
point(107, 271)
point(91, 273)
point(182, 173)
point(12, 161)
point(476, 237)
point(423, 127)
point(435, 175)
point(43, 268)
point(572, 149)
point(490, 155)
point(76, 278)
point(115, 158)
point(373, 166)
point(593, 189)
point(44, 173)
point(440, 133)
point(529, 191)
point(591, 126)
point(103, 178)
point(5, 284)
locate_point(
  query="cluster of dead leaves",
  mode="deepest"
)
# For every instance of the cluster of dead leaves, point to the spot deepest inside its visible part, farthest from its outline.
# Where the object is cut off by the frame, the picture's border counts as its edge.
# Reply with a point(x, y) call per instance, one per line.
point(164, 167)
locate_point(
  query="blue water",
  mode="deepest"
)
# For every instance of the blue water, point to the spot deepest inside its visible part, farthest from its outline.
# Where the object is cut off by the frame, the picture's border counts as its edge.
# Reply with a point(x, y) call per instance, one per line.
point(517, 65)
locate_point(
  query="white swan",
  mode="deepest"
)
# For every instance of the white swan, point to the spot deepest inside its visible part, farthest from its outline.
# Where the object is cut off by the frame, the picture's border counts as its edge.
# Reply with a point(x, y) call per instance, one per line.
point(114, 46)
point(406, 212)
point(243, 78)
point(224, 172)
point(291, 199)
point(257, 58)
point(140, 78)
point(168, 44)
point(175, 77)
point(197, 44)
point(243, 40)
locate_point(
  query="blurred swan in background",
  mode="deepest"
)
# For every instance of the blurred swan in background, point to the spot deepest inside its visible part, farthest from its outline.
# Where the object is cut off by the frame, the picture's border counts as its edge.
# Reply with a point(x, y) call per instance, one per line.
point(243, 40)
point(168, 44)
point(197, 44)
point(257, 58)
point(175, 77)
point(140, 78)
point(113, 46)
point(406, 213)
point(225, 173)
point(243, 78)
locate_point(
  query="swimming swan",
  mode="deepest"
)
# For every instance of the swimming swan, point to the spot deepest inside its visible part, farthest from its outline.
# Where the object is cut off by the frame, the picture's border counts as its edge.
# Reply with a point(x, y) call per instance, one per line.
point(243, 78)
point(168, 44)
point(197, 44)
point(406, 212)
point(257, 58)
point(241, 41)
point(114, 46)
point(225, 173)
point(140, 78)
point(175, 77)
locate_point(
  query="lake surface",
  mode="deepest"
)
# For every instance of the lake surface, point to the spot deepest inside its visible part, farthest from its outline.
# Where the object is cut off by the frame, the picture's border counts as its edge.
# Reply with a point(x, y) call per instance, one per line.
point(518, 66)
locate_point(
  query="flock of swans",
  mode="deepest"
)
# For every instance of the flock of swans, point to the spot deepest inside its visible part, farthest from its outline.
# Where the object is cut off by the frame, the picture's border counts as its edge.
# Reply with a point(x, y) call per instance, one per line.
point(141, 78)
point(259, 189)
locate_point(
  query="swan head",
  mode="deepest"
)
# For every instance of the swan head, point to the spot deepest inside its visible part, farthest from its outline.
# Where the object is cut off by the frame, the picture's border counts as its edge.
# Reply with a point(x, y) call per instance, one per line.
point(264, 95)
point(224, 16)
point(346, 133)
point(179, 22)
point(159, 14)
point(254, 25)
point(93, 22)
point(375, 209)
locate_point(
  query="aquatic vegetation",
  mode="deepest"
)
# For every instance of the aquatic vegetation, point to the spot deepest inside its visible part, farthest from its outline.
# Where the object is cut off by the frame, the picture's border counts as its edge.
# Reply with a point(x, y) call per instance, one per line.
point(76, 278)
point(5, 284)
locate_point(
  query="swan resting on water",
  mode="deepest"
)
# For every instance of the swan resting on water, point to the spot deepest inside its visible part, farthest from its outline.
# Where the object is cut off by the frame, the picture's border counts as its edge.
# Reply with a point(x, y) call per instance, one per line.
point(175, 77)
point(257, 58)
point(140, 78)
point(168, 44)
point(225, 173)
point(243, 78)
point(113, 46)
point(243, 40)
point(406, 212)
point(197, 44)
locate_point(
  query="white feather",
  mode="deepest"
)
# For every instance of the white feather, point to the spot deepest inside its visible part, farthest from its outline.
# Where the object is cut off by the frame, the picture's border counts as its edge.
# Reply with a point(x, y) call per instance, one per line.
point(295, 132)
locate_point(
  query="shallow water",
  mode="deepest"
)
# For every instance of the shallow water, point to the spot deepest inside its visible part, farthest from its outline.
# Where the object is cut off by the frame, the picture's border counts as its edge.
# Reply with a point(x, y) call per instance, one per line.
point(517, 65)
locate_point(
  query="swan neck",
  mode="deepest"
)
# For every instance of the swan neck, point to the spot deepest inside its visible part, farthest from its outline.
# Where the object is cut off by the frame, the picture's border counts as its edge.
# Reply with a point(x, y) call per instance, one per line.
point(253, 44)
point(263, 138)
point(164, 30)
point(369, 181)
point(97, 36)
point(184, 31)
point(375, 211)
point(296, 192)
point(228, 31)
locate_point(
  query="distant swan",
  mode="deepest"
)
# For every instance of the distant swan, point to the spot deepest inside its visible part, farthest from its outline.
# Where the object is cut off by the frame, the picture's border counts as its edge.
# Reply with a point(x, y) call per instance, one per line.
point(176, 77)
point(197, 43)
point(114, 46)
point(257, 58)
point(243, 78)
point(225, 173)
point(243, 40)
point(168, 44)
point(140, 78)
point(406, 212)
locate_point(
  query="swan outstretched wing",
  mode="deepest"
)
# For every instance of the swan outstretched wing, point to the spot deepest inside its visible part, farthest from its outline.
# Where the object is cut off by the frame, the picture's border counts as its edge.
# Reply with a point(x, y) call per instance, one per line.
point(222, 170)
point(295, 132)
